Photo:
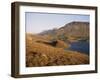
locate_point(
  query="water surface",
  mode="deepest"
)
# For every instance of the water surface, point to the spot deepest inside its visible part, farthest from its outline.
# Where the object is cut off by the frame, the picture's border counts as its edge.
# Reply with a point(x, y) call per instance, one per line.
point(80, 46)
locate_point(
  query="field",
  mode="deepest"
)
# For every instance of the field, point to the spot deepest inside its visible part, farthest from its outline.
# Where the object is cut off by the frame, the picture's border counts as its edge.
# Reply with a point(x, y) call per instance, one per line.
point(40, 51)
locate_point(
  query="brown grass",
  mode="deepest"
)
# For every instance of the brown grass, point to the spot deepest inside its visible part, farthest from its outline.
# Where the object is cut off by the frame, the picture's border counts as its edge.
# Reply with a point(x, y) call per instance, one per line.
point(62, 44)
point(39, 54)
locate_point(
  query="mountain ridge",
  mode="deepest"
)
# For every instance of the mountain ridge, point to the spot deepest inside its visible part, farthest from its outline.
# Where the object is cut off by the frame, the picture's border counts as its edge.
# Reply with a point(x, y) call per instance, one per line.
point(75, 30)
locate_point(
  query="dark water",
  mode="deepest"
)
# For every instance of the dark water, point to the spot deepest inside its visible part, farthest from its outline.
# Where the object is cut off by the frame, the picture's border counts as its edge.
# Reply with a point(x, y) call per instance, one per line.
point(80, 46)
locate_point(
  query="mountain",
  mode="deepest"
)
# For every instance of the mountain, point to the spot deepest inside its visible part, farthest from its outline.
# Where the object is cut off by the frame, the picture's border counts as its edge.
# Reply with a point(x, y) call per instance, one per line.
point(48, 47)
point(70, 31)
point(51, 32)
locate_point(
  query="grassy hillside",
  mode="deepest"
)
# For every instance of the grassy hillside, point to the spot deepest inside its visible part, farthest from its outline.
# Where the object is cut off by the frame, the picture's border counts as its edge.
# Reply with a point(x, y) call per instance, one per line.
point(40, 51)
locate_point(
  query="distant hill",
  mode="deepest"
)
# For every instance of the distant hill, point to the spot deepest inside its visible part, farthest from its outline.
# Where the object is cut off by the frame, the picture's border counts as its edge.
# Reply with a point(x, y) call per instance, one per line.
point(70, 31)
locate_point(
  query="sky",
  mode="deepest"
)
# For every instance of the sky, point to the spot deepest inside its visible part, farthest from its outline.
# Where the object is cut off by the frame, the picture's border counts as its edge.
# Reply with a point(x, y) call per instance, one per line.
point(38, 22)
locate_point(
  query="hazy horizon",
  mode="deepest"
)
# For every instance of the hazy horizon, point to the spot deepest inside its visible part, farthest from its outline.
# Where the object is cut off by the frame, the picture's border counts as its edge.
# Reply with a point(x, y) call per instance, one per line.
point(38, 22)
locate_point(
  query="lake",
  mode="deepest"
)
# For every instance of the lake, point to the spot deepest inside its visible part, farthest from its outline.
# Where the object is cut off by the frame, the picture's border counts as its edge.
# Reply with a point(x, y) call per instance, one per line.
point(80, 46)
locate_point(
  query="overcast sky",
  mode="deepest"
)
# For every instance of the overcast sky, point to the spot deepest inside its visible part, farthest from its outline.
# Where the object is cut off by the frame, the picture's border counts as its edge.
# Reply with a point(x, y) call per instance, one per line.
point(38, 22)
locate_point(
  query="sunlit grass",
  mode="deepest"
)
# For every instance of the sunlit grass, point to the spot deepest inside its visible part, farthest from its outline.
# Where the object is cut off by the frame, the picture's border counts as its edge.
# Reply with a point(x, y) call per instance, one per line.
point(40, 54)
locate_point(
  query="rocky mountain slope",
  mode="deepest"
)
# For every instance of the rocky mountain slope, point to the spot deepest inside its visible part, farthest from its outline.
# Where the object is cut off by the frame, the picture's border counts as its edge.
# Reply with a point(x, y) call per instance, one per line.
point(70, 31)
